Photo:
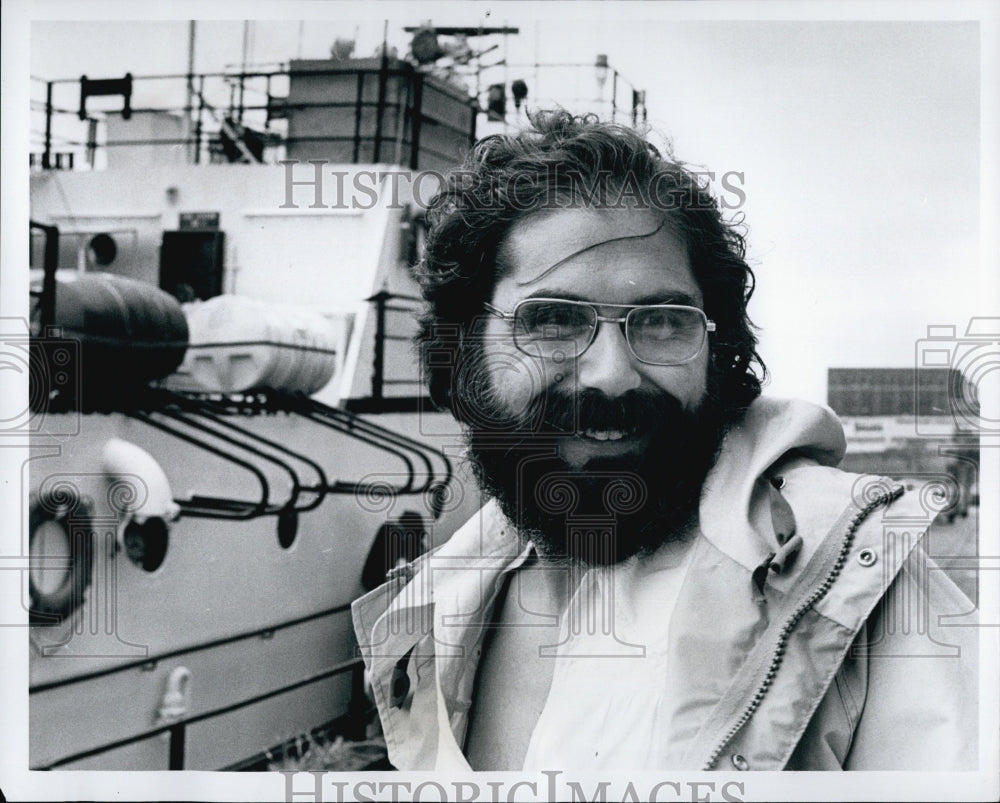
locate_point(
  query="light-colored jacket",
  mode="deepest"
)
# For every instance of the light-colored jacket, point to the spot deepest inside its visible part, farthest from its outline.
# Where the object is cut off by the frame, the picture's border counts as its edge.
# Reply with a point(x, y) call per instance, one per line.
point(811, 631)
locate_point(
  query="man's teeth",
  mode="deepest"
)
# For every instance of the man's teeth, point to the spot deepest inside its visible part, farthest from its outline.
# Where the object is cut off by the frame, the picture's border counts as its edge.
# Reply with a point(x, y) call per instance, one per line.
point(605, 434)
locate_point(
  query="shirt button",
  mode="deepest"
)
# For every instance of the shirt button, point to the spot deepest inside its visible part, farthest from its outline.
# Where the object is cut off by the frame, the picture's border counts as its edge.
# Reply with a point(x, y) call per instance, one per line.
point(740, 763)
point(867, 557)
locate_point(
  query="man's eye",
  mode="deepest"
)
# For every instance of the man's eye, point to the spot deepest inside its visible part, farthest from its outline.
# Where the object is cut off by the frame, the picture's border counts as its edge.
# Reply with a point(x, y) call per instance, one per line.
point(555, 316)
point(655, 319)
point(652, 318)
point(661, 324)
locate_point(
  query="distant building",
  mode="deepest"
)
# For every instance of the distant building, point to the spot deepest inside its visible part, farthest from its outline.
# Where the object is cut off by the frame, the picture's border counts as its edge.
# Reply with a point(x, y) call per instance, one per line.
point(927, 392)
point(907, 422)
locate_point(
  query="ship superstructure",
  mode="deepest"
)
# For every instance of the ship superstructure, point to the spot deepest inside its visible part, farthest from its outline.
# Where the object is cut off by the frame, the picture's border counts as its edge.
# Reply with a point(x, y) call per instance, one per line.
point(197, 533)
point(230, 440)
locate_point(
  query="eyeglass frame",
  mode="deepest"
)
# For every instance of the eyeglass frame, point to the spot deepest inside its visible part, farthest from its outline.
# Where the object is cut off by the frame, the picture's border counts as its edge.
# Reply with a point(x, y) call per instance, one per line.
point(709, 324)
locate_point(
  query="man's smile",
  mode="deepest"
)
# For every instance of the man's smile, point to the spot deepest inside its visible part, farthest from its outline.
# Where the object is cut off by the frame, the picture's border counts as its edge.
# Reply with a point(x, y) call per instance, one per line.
point(608, 434)
point(604, 435)
point(587, 444)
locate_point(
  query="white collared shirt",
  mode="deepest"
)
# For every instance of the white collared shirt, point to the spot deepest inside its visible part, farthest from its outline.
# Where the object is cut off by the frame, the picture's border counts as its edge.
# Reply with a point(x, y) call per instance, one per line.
point(608, 699)
point(608, 702)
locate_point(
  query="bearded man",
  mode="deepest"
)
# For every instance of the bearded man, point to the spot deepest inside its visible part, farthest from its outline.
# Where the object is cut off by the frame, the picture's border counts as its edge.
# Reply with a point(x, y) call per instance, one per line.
point(669, 572)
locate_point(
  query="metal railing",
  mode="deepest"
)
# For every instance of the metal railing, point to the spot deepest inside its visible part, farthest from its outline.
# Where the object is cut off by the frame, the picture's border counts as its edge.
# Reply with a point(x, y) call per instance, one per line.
point(177, 729)
point(240, 116)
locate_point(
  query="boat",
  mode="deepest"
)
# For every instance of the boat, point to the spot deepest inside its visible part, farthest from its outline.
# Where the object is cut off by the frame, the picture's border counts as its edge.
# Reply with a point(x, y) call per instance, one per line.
point(229, 436)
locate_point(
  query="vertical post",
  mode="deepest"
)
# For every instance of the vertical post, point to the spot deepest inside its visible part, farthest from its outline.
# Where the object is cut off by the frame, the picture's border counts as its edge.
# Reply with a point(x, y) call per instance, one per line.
point(239, 111)
point(189, 99)
point(267, 90)
point(47, 155)
point(243, 69)
point(416, 118)
point(358, 106)
point(383, 80)
point(197, 126)
point(50, 262)
point(378, 363)
point(614, 94)
point(177, 747)
point(91, 142)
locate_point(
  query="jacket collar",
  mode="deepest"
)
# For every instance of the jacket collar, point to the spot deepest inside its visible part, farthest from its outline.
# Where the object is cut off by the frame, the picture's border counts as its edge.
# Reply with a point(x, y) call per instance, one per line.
point(775, 436)
point(443, 590)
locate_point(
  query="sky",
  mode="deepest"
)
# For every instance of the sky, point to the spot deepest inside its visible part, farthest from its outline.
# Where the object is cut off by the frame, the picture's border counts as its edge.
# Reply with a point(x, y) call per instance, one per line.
point(858, 144)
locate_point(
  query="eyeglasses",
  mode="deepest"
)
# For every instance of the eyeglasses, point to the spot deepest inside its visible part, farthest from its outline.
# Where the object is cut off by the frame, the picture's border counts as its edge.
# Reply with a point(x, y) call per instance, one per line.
point(657, 334)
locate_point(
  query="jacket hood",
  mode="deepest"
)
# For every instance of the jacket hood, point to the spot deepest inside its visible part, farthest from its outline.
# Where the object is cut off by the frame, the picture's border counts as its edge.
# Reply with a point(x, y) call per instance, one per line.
point(775, 436)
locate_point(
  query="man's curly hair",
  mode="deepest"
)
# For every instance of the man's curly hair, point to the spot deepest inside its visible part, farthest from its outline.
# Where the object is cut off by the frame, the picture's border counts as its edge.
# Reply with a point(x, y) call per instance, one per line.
point(565, 161)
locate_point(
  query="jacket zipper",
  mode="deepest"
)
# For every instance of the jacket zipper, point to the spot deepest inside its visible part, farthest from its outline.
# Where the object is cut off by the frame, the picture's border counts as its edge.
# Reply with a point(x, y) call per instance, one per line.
point(786, 631)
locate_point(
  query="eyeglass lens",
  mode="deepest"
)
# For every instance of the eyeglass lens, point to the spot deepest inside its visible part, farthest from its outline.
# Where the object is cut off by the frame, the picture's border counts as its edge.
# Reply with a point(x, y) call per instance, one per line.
point(656, 334)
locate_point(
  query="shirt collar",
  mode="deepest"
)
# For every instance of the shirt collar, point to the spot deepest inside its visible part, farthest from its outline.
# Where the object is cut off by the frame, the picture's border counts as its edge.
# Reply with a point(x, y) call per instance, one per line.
point(447, 590)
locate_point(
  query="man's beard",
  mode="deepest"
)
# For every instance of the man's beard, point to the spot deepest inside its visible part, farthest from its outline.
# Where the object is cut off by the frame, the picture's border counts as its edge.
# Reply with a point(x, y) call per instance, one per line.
point(611, 508)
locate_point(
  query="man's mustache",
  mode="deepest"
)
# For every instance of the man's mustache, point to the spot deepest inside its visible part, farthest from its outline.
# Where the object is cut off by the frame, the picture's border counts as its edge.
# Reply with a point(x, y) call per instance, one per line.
point(591, 409)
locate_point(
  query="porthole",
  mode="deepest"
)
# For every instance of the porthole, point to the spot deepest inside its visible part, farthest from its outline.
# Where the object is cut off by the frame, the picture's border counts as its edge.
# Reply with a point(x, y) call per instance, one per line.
point(102, 249)
point(146, 543)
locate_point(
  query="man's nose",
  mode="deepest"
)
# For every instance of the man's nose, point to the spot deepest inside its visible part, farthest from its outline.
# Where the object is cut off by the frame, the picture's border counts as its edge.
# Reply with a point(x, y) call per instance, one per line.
point(608, 365)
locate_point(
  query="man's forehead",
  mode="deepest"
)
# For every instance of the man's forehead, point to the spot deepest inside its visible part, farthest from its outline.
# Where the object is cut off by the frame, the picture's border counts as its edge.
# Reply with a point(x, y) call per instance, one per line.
point(538, 245)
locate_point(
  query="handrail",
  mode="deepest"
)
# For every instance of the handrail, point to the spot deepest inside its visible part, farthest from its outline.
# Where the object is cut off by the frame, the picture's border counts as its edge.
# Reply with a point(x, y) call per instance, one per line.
point(372, 440)
point(207, 506)
point(150, 661)
point(179, 415)
point(208, 414)
point(375, 438)
point(177, 728)
point(277, 401)
point(352, 420)
point(211, 410)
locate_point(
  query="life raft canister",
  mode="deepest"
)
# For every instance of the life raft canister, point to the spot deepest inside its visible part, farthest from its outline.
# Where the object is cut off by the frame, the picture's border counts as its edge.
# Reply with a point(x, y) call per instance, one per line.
point(123, 335)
